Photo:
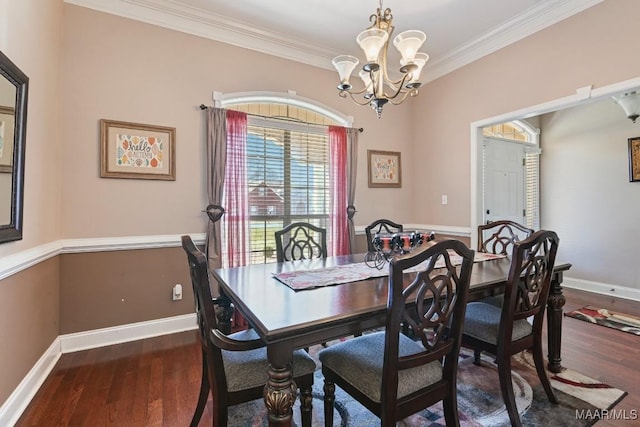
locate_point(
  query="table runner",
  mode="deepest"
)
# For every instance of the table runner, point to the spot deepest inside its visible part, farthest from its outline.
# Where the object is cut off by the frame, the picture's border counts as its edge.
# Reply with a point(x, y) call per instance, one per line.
point(309, 279)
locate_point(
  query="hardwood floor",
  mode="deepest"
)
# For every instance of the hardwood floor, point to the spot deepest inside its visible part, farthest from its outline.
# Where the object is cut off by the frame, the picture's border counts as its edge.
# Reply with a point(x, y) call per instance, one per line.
point(602, 353)
point(155, 382)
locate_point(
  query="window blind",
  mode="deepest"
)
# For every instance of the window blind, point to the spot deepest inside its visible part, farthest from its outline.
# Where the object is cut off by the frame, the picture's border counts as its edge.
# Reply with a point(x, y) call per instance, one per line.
point(287, 178)
point(532, 187)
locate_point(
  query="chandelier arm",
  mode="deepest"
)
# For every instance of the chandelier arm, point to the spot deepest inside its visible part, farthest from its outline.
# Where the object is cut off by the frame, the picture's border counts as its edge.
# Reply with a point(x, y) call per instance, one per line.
point(412, 92)
point(398, 91)
point(354, 92)
point(344, 94)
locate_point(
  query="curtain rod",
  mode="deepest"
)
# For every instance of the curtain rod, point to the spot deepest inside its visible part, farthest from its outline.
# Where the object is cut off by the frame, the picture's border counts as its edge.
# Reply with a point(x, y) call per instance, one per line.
point(204, 107)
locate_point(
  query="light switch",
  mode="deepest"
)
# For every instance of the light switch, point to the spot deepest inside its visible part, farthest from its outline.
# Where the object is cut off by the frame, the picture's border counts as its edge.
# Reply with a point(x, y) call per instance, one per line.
point(444, 199)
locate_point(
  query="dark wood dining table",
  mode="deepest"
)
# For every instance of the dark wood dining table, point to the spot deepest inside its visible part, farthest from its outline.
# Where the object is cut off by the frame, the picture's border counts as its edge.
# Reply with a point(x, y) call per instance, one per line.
point(287, 320)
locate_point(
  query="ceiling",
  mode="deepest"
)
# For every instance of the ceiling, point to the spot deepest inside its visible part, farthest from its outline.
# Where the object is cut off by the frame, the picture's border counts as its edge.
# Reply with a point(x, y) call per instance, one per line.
point(314, 31)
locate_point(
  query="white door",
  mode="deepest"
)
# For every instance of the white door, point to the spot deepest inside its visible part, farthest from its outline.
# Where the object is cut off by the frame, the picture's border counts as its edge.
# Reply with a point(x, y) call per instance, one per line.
point(503, 186)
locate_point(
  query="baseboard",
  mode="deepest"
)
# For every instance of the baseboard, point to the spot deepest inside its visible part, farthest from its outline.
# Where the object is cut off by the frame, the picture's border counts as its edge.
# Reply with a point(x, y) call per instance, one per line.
point(602, 288)
point(18, 401)
point(125, 333)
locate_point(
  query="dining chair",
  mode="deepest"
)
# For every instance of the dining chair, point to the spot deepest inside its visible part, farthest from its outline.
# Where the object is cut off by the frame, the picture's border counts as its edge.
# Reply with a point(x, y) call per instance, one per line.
point(390, 374)
point(498, 237)
point(505, 331)
point(300, 240)
point(234, 367)
point(380, 226)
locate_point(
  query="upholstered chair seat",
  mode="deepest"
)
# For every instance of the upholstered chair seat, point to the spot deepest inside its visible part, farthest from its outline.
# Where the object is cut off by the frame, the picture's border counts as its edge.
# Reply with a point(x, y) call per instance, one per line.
point(482, 322)
point(248, 369)
point(360, 360)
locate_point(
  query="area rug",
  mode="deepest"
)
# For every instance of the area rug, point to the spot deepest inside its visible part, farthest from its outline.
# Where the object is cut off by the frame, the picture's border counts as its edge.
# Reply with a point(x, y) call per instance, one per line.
point(610, 319)
point(479, 400)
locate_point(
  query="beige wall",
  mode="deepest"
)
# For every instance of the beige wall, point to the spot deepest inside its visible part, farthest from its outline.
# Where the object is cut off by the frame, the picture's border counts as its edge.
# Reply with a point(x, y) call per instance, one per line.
point(120, 69)
point(103, 289)
point(589, 48)
point(28, 321)
point(30, 37)
point(587, 197)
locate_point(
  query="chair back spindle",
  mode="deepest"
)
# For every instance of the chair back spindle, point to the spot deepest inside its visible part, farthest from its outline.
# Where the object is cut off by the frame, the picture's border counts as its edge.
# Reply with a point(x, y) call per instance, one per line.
point(381, 226)
point(498, 237)
point(301, 240)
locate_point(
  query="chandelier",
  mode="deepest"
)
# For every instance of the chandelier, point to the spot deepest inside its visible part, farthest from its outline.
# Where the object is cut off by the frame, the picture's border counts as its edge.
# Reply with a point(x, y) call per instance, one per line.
point(378, 88)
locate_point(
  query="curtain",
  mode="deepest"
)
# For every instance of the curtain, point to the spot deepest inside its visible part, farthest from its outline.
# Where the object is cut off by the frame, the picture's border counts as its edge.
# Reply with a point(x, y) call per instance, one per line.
point(216, 163)
point(352, 170)
point(338, 218)
point(236, 198)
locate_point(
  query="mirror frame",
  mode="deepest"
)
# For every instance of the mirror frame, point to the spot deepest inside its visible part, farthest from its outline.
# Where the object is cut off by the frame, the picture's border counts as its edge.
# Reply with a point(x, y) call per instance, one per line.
point(8, 70)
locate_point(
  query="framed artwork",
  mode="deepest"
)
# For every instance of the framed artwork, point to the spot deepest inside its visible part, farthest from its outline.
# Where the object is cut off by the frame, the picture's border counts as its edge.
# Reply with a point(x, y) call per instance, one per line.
point(137, 151)
point(7, 130)
point(384, 169)
point(634, 159)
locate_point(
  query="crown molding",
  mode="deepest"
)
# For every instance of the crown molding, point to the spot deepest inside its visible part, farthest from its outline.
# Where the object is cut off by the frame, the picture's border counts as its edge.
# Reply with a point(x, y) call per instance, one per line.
point(536, 18)
point(203, 23)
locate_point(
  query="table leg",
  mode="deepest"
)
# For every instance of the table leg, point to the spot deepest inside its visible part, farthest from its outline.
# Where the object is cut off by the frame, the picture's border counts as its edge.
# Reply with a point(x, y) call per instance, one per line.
point(280, 391)
point(555, 303)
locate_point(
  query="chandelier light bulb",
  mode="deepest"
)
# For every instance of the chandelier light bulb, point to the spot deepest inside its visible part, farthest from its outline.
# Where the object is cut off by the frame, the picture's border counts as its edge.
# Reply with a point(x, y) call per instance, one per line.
point(371, 41)
point(366, 79)
point(419, 60)
point(408, 43)
point(345, 64)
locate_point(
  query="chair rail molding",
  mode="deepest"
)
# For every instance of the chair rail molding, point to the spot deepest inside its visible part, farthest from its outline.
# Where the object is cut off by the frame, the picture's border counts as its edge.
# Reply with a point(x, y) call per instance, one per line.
point(449, 230)
point(14, 263)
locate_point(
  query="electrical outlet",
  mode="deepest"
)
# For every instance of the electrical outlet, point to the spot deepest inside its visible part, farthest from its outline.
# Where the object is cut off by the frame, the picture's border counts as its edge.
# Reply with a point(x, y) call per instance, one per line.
point(444, 199)
point(177, 292)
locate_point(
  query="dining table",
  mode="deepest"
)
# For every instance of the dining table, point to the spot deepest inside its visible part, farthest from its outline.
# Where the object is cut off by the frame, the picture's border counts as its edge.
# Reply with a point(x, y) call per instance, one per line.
point(288, 318)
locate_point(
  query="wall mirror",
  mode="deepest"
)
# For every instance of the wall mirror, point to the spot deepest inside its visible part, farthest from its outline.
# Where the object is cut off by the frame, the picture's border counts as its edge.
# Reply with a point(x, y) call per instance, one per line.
point(14, 86)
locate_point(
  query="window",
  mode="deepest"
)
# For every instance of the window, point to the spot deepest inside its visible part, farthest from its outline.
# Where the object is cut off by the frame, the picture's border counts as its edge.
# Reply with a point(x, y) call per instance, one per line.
point(287, 172)
point(512, 131)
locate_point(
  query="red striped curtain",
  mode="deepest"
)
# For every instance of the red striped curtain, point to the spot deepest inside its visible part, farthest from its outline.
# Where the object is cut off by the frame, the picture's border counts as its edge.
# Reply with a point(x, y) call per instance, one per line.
point(236, 198)
point(339, 222)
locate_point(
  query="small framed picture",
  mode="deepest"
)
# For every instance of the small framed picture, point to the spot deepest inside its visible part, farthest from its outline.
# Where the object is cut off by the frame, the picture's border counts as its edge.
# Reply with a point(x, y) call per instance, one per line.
point(137, 151)
point(7, 124)
point(634, 159)
point(384, 169)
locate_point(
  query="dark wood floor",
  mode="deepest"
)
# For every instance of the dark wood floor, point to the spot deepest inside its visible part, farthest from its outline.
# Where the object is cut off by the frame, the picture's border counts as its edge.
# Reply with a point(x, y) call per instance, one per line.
point(155, 382)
